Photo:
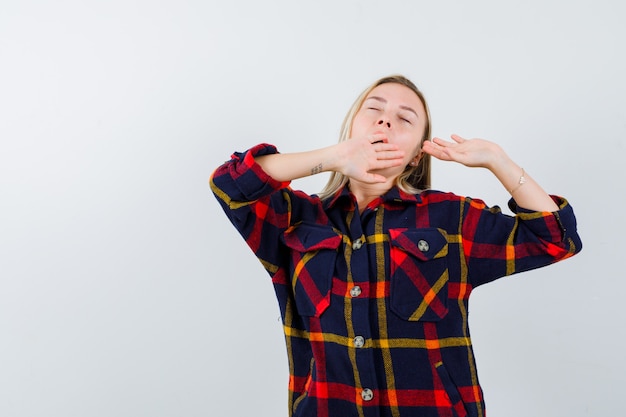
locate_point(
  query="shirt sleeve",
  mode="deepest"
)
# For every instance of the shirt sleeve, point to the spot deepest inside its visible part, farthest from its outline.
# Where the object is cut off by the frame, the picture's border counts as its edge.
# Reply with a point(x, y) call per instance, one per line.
point(257, 205)
point(241, 180)
point(497, 245)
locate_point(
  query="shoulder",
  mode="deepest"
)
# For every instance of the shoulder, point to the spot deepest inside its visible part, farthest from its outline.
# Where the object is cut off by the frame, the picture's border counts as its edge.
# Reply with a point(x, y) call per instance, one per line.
point(435, 196)
point(443, 197)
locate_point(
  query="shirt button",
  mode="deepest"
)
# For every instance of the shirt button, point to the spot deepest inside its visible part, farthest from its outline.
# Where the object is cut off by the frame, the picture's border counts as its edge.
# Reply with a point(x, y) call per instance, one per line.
point(355, 291)
point(357, 244)
point(367, 394)
point(423, 245)
point(359, 342)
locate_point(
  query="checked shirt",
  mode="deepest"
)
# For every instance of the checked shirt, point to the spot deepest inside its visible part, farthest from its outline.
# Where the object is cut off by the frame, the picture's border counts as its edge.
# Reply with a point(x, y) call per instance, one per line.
point(375, 305)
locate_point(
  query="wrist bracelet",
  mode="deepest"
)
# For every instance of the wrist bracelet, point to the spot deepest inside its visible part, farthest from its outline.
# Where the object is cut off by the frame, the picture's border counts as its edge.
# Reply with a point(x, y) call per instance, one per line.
point(521, 182)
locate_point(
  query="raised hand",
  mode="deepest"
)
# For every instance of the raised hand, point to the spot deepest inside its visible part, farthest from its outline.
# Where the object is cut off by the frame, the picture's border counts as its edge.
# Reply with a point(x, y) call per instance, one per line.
point(469, 152)
point(482, 153)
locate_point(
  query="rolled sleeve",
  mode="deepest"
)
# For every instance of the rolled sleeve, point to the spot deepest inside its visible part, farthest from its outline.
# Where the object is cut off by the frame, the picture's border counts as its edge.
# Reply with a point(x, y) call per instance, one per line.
point(242, 180)
point(497, 245)
point(557, 227)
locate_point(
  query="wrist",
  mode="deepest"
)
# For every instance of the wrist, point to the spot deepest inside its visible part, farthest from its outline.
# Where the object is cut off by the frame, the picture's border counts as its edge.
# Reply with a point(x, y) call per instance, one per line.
point(499, 161)
point(510, 174)
point(334, 154)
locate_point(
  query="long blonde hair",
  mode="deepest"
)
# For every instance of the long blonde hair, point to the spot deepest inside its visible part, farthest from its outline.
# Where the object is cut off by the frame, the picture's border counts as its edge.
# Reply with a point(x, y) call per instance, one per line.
point(414, 178)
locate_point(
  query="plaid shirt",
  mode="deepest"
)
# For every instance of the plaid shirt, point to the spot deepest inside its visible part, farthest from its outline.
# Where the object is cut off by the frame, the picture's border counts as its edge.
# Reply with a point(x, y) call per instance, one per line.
point(375, 305)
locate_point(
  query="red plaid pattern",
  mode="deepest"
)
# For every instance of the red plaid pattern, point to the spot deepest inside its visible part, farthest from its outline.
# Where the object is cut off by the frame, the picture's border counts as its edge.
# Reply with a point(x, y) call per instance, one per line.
point(374, 305)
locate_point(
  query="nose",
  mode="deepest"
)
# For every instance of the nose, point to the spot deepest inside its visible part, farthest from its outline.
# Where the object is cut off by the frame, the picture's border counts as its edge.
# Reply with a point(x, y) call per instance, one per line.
point(385, 123)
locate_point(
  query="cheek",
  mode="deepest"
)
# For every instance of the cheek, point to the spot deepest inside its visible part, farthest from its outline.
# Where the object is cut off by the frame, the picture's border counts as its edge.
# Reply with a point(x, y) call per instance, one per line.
point(359, 125)
point(412, 142)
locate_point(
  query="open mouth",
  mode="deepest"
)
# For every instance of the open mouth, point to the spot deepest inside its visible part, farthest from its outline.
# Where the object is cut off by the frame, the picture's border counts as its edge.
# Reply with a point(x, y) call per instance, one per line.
point(378, 141)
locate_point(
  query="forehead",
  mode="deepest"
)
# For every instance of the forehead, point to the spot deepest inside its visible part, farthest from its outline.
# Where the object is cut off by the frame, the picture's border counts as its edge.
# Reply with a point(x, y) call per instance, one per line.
point(397, 94)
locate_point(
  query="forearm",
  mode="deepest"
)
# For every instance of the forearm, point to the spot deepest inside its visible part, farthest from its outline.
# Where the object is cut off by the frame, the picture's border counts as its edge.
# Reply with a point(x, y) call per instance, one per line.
point(481, 153)
point(291, 166)
point(524, 189)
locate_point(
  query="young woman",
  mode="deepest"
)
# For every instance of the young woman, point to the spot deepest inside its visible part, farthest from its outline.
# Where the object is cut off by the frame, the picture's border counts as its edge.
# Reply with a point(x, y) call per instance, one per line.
point(373, 276)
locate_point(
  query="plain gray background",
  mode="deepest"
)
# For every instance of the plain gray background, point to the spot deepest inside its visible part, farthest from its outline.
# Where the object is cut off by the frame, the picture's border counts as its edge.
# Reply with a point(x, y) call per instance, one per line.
point(124, 291)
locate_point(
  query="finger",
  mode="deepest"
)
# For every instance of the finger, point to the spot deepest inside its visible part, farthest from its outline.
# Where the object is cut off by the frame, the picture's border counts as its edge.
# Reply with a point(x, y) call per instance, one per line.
point(379, 178)
point(385, 147)
point(390, 154)
point(440, 142)
point(374, 178)
point(429, 146)
point(457, 138)
point(387, 163)
point(436, 151)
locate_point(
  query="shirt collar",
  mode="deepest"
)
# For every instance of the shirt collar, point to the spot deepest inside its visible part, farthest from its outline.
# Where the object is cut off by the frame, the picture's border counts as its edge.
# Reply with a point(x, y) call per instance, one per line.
point(395, 195)
point(343, 194)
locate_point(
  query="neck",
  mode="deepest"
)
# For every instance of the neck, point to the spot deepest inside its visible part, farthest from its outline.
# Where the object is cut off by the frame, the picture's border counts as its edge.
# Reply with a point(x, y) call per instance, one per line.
point(366, 193)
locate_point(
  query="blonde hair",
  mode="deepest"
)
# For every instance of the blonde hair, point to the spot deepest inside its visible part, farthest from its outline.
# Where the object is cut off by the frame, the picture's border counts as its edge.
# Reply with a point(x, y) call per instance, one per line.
point(413, 179)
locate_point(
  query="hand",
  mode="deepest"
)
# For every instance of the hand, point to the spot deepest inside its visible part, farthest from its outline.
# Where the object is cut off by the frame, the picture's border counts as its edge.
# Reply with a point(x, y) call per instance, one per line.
point(469, 152)
point(359, 158)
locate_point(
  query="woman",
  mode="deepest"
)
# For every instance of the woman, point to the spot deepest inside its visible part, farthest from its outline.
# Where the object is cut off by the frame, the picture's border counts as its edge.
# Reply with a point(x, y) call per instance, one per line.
point(373, 276)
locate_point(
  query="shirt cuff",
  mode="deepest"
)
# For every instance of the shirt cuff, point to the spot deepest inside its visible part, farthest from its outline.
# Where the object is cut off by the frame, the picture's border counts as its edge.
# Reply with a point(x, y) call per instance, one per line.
point(249, 177)
point(562, 221)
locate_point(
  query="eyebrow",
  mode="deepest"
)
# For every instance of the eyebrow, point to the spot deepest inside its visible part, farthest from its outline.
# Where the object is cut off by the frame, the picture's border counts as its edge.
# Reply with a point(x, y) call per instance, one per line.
point(403, 107)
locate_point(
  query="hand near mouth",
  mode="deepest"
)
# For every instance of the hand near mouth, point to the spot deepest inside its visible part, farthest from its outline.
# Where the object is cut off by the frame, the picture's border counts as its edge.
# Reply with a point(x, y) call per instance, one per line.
point(359, 158)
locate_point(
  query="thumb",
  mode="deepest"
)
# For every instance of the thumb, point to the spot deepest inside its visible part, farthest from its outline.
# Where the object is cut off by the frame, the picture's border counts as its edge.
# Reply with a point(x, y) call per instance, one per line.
point(374, 178)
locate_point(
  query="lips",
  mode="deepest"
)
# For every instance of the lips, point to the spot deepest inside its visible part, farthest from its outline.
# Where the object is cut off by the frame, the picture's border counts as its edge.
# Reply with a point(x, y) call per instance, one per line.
point(379, 132)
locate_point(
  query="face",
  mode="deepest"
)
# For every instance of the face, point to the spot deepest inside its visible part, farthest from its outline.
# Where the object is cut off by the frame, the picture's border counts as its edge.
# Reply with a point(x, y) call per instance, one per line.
point(397, 112)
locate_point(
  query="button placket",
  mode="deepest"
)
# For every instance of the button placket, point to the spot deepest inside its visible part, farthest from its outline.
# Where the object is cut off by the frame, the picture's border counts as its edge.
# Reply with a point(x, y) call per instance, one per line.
point(360, 227)
point(359, 341)
point(355, 291)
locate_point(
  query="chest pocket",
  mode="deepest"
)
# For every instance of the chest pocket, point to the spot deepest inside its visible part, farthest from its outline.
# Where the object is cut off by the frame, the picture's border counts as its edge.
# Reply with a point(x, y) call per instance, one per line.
point(313, 256)
point(419, 274)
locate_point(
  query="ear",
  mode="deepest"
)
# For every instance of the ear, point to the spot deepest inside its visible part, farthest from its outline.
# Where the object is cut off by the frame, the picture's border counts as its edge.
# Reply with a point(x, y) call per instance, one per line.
point(416, 159)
